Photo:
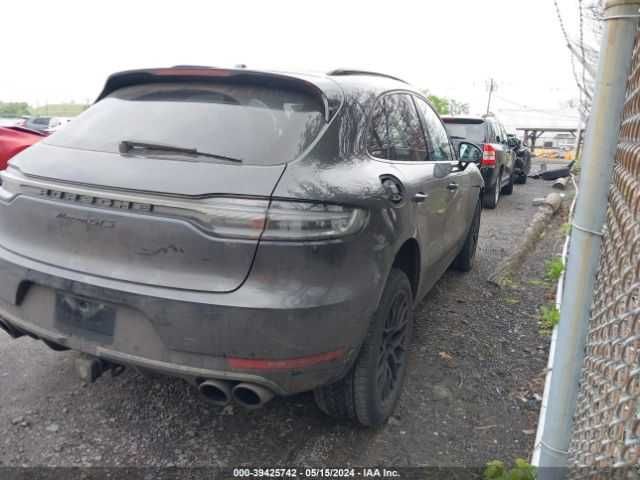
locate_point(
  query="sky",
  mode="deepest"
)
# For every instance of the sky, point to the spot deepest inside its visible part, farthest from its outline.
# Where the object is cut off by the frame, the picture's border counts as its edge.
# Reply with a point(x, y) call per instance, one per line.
point(63, 50)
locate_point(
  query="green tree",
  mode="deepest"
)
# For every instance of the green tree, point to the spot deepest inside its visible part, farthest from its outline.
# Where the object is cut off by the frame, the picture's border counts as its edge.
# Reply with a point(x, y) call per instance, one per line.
point(69, 109)
point(458, 108)
point(446, 106)
point(14, 109)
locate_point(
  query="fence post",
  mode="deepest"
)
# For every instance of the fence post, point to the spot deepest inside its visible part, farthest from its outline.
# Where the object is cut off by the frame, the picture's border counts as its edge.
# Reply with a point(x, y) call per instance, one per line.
point(555, 425)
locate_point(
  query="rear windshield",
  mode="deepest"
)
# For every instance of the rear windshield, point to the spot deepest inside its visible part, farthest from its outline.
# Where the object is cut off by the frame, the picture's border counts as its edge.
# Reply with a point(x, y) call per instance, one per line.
point(474, 132)
point(256, 124)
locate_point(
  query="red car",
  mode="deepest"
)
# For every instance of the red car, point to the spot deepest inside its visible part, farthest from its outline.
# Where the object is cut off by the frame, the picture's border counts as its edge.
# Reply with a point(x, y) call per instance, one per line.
point(15, 139)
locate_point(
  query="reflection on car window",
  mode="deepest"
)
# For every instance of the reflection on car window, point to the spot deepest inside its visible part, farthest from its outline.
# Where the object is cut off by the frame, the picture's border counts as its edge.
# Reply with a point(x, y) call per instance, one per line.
point(475, 132)
point(395, 132)
point(262, 125)
point(468, 153)
point(436, 134)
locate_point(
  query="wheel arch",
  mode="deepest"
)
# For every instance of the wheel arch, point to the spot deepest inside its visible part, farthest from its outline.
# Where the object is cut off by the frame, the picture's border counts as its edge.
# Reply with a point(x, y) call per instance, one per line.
point(407, 259)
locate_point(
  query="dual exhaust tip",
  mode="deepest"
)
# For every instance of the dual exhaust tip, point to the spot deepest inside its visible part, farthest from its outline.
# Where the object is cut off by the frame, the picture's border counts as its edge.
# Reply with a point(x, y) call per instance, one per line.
point(248, 395)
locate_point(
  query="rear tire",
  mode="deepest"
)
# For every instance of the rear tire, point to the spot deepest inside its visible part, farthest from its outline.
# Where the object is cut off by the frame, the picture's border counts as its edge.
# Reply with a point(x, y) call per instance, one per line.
point(508, 188)
point(464, 260)
point(491, 196)
point(370, 391)
point(522, 178)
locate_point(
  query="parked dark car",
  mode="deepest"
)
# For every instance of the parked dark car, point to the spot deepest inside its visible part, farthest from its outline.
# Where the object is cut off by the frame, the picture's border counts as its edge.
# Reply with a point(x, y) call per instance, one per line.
point(497, 165)
point(47, 124)
point(522, 166)
point(255, 233)
point(39, 124)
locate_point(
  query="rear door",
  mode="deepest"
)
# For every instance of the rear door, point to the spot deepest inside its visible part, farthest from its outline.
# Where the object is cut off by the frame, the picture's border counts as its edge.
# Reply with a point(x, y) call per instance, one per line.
point(456, 183)
point(508, 153)
point(396, 136)
point(497, 138)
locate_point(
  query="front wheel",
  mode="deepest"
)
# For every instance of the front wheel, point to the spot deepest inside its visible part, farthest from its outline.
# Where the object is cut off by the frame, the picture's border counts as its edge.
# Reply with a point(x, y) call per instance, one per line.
point(370, 391)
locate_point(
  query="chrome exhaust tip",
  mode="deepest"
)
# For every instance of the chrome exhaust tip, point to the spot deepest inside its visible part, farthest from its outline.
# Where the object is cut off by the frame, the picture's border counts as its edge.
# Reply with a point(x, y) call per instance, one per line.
point(251, 396)
point(217, 392)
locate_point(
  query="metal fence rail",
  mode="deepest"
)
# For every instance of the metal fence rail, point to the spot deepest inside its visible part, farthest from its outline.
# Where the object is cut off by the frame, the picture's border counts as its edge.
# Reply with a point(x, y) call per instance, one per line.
point(606, 429)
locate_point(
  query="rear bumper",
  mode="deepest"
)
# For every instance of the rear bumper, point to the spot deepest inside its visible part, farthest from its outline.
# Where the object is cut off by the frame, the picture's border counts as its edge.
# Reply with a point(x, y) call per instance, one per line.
point(194, 339)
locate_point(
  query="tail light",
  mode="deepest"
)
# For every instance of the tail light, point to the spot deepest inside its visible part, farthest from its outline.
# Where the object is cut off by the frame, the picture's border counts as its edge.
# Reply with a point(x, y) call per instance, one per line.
point(488, 156)
point(279, 221)
point(311, 221)
point(225, 217)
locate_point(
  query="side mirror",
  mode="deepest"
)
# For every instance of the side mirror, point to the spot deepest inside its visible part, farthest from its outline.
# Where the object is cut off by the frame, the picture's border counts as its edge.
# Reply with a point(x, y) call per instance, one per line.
point(469, 152)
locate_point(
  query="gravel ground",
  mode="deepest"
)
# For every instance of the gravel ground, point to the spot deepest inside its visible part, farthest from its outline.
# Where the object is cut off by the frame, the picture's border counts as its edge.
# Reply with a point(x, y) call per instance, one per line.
point(476, 369)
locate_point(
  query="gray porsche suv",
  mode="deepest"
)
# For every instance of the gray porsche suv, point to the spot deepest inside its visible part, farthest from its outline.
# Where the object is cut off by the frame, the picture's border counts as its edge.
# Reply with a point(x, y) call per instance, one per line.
point(255, 233)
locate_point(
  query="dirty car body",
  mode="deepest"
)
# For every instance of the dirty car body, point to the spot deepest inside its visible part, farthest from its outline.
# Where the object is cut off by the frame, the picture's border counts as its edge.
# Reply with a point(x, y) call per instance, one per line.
point(259, 254)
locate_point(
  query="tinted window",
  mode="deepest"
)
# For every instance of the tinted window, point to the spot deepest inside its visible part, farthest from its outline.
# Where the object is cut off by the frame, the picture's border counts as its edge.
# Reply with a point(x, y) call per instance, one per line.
point(474, 132)
point(41, 121)
point(259, 125)
point(440, 149)
point(494, 134)
point(395, 132)
point(503, 133)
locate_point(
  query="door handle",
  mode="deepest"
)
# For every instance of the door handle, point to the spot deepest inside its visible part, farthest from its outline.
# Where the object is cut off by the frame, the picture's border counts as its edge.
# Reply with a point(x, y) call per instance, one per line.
point(420, 197)
point(453, 186)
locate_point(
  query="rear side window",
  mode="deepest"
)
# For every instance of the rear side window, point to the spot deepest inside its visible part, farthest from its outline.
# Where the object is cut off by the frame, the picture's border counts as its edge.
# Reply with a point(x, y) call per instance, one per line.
point(437, 135)
point(256, 124)
point(394, 131)
point(475, 132)
point(494, 133)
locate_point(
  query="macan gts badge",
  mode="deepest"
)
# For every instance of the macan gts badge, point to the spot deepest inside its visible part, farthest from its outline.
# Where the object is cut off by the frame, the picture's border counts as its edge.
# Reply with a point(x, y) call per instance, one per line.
point(254, 233)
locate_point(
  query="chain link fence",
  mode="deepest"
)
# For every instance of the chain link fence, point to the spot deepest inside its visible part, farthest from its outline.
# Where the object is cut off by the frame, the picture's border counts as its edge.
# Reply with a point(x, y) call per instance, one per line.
point(606, 431)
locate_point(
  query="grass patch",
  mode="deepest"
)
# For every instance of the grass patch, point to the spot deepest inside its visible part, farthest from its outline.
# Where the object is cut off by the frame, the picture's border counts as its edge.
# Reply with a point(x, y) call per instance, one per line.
point(553, 269)
point(565, 228)
point(522, 470)
point(549, 317)
point(508, 282)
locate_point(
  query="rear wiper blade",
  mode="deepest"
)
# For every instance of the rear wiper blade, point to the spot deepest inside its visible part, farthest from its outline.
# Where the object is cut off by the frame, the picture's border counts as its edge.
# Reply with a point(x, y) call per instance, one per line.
point(127, 146)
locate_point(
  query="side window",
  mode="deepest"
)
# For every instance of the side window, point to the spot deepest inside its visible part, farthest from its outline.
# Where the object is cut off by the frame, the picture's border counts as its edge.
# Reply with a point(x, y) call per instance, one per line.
point(437, 138)
point(493, 132)
point(499, 132)
point(504, 133)
point(395, 132)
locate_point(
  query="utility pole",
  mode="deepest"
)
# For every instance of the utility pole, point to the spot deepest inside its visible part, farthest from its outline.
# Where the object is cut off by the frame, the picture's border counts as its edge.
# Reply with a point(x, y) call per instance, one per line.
point(492, 86)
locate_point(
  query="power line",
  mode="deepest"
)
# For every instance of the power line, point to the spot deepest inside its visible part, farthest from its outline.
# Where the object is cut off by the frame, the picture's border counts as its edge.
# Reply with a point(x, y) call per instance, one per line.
point(527, 107)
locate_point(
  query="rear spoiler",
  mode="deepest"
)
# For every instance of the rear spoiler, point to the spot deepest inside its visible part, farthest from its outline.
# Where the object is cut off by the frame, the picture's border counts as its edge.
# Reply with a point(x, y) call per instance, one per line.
point(129, 78)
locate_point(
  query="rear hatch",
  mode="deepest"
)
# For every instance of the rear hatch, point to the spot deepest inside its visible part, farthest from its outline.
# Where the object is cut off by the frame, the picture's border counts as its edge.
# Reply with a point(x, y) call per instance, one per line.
point(164, 184)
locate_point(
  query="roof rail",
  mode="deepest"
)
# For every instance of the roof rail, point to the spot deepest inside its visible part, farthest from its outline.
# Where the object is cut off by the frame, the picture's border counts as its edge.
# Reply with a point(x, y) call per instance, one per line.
point(344, 72)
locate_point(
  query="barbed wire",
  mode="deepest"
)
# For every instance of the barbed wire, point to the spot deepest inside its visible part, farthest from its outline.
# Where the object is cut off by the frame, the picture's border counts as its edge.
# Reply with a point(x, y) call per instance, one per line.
point(582, 51)
point(581, 85)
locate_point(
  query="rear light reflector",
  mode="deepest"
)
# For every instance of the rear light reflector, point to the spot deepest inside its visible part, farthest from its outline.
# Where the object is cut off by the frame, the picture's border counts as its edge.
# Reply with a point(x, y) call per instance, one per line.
point(488, 156)
point(287, 364)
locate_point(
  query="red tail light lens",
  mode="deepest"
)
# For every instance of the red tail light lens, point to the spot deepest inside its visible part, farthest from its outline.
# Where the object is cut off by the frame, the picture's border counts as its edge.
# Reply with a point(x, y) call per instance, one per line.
point(488, 156)
point(287, 364)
